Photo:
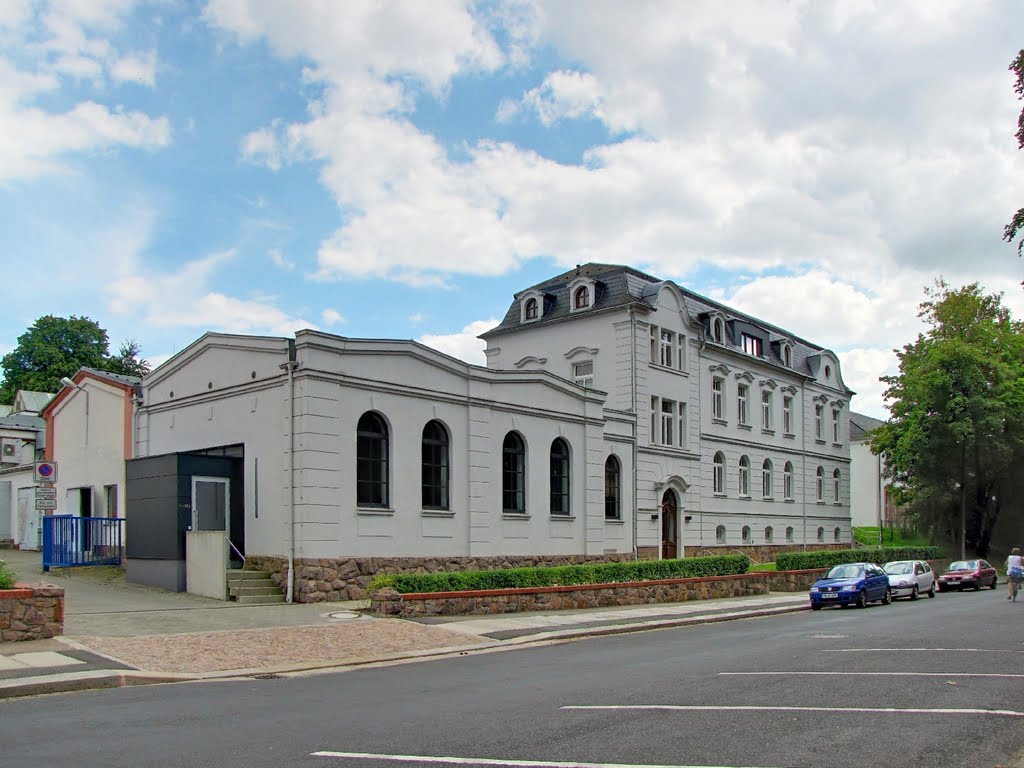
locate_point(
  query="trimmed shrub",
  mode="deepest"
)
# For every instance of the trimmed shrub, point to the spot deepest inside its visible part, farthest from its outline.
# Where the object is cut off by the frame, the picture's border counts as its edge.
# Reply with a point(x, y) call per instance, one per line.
point(6, 576)
point(798, 561)
point(566, 575)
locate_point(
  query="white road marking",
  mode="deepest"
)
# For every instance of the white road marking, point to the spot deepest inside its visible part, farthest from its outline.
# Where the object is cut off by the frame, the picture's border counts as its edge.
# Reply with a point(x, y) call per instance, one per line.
point(921, 650)
point(836, 710)
point(883, 674)
point(498, 762)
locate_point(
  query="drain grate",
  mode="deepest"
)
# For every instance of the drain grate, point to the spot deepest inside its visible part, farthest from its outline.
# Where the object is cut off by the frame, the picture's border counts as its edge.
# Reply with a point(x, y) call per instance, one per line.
point(266, 676)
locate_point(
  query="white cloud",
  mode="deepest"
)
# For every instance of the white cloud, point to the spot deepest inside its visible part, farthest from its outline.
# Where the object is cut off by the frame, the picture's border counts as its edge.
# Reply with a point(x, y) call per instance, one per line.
point(331, 317)
point(464, 345)
point(861, 369)
point(416, 318)
point(136, 68)
point(280, 261)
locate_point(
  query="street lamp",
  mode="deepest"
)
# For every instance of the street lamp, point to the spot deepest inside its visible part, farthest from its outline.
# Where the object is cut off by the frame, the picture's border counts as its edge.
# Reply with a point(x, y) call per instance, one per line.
point(69, 383)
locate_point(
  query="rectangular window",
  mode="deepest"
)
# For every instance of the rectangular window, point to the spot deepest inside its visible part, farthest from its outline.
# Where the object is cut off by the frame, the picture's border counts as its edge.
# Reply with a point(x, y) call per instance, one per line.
point(655, 409)
point(654, 344)
point(583, 374)
point(742, 396)
point(718, 397)
point(835, 425)
point(681, 353)
point(818, 414)
point(110, 494)
point(668, 413)
point(787, 415)
point(787, 483)
point(668, 342)
point(682, 432)
point(766, 409)
point(751, 345)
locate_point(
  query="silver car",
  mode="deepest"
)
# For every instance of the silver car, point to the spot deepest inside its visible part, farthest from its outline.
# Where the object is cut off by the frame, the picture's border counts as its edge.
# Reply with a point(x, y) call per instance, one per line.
point(910, 578)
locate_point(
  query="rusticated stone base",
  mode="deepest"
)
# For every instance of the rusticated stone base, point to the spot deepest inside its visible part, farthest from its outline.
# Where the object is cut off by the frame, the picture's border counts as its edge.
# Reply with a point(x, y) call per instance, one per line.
point(388, 602)
point(31, 613)
point(349, 578)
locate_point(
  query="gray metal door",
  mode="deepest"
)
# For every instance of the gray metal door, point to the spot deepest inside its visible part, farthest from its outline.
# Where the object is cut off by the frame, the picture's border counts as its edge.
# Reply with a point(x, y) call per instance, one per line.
point(5, 511)
point(30, 531)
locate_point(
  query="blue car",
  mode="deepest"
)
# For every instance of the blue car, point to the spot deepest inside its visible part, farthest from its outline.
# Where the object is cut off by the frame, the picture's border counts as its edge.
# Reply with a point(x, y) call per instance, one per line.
point(851, 583)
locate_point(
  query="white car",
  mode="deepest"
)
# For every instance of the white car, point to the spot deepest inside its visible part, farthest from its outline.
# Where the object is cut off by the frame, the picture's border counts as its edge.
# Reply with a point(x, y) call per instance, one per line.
point(910, 578)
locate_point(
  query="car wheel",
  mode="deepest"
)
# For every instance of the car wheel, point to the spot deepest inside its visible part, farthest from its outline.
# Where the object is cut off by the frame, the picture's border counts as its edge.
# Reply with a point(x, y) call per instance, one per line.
point(887, 597)
point(862, 599)
point(994, 580)
point(913, 593)
point(977, 587)
point(815, 607)
point(931, 591)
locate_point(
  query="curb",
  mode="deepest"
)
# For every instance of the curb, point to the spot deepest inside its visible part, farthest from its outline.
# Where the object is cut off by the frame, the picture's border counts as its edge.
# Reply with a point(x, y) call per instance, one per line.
point(104, 679)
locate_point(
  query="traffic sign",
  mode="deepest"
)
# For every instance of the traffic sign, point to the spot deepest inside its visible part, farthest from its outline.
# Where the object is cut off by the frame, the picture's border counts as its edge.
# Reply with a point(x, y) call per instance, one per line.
point(45, 472)
point(46, 493)
point(46, 503)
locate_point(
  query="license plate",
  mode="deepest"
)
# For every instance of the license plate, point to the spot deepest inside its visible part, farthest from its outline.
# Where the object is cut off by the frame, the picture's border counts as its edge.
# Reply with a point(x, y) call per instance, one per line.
point(829, 595)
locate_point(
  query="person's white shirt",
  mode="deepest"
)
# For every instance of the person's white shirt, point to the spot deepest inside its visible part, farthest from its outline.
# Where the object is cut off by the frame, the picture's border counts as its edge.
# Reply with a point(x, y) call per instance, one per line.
point(1014, 561)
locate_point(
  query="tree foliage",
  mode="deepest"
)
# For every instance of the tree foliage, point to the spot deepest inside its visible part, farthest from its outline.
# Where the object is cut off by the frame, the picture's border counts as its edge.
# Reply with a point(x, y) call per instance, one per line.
point(1016, 224)
point(55, 347)
point(957, 429)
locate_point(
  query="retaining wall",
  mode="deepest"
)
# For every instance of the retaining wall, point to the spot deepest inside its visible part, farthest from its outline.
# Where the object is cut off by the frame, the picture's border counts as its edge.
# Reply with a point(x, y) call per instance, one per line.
point(31, 613)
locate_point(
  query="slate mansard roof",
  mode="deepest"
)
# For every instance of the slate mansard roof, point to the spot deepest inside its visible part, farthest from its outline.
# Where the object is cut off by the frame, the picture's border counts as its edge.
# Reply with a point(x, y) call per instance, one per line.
point(621, 286)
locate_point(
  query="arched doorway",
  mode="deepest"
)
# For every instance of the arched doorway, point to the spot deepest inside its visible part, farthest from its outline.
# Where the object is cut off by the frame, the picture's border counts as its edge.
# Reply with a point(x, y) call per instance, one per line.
point(669, 525)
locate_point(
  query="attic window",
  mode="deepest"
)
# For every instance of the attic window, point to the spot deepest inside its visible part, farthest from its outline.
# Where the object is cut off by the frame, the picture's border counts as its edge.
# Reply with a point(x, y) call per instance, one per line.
point(716, 330)
point(531, 309)
point(581, 299)
point(751, 345)
point(787, 357)
point(828, 372)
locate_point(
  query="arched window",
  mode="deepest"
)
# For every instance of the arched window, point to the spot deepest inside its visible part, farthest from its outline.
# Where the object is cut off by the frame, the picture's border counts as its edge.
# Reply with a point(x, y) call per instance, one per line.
point(716, 332)
point(821, 534)
point(612, 489)
point(819, 484)
point(835, 486)
point(746, 534)
point(720, 534)
point(435, 466)
point(559, 477)
point(789, 533)
point(718, 472)
point(835, 535)
point(582, 299)
point(787, 357)
point(769, 535)
point(787, 480)
point(766, 479)
point(513, 474)
point(744, 476)
point(371, 461)
point(531, 309)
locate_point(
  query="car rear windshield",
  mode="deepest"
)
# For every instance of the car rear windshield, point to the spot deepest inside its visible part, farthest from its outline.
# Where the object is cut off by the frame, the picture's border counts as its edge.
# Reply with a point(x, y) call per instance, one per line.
point(846, 572)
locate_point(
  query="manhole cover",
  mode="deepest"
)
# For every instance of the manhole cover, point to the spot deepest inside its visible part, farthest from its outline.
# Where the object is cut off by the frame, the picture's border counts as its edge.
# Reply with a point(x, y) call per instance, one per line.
point(829, 637)
point(342, 615)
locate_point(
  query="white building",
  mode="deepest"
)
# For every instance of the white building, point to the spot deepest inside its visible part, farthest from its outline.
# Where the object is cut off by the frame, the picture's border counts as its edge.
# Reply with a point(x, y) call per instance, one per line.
point(618, 416)
point(22, 441)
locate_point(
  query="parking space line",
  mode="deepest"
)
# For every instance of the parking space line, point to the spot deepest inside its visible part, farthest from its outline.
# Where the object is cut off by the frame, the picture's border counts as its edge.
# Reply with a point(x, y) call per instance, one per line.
point(835, 710)
point(879, 674)
point(498, 762)
point(921, 650)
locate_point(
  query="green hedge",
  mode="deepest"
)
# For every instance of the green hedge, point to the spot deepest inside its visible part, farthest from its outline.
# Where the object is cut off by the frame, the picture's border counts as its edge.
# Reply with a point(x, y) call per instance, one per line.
point(6, 576)
point(798, 561)
point(597, 573)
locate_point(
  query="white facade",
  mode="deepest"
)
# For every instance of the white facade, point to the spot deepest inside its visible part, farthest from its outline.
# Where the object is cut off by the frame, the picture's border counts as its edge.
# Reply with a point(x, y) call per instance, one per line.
point(22, 437)
point(867, 485)
point(236, 391)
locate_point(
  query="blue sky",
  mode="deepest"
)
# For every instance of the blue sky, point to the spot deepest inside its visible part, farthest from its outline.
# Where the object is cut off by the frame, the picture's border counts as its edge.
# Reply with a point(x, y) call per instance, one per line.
point(400, 169)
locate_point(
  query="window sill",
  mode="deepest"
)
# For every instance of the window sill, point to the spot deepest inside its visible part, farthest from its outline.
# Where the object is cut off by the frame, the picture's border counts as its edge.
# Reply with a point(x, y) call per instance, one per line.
point(767, 431)
point(669, 369)
point(819, 441)
point(820, 503)
point(437, 513)
point(837, 503)
point(789, 435)
point(837, 445)
point(385, 511)
point(789, 501)
point(721, 495)
point(506, 515)
point(567, 518)
point(745, 426)
point(719, 420)
point(614, 521)
point(767, 498)
point(743, 497)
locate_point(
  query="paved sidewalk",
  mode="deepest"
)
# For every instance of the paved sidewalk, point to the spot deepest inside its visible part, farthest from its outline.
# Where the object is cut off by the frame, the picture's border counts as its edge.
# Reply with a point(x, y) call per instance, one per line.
point(117, 633)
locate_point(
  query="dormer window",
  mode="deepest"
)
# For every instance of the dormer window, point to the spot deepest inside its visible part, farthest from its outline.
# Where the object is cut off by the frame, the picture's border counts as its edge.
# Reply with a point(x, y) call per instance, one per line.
point(530, 313)
point(717, 330)
point(581, 299)
point(787, 357)
point(752, 345)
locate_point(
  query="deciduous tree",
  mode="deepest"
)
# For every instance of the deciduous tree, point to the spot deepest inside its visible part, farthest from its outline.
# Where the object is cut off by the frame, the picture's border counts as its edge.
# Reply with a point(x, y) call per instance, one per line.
point(52, 348)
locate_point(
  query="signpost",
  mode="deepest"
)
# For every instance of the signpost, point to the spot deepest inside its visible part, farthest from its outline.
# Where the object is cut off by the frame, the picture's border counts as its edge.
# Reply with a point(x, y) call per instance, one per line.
point(45, 472)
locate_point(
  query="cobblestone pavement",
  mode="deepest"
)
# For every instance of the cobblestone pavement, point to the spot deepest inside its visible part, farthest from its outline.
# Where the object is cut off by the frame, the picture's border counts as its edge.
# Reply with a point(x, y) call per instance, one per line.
point(199, 652)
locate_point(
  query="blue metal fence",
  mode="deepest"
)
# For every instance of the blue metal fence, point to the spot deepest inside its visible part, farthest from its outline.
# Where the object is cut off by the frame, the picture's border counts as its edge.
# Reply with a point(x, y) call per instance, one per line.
point(70, 541)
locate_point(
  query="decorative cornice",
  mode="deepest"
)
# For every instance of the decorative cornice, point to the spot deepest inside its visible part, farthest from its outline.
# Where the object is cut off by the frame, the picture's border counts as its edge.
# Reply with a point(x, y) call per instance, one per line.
point(746, 375)
point(530, 359)
point(579, 351)
point(721, 367)
point(769, 383)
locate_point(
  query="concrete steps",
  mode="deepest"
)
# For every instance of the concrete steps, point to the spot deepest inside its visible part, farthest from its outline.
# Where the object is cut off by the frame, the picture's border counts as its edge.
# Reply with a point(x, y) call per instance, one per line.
point(253, 587)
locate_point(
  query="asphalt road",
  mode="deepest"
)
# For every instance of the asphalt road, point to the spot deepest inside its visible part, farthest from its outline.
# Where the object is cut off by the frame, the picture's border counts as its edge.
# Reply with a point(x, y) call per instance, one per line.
point(694, 696)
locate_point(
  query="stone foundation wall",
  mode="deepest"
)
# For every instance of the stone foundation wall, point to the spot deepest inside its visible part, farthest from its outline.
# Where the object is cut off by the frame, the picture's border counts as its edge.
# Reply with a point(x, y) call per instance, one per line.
point(388, 602)
point(349, 578)
point(760, 553)
point(794, 581)
point(31, 613)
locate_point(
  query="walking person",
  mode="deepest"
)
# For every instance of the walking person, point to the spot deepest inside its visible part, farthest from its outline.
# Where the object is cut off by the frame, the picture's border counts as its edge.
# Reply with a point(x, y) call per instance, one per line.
point(1014, 573)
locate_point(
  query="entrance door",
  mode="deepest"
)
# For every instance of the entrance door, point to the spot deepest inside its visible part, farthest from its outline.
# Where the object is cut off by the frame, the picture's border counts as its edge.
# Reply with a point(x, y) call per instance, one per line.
point(669, 526)
point(30, 530)
point(211, 502)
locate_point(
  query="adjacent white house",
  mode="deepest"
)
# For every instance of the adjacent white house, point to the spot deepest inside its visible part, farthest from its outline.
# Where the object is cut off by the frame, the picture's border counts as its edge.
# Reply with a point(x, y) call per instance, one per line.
point(619, 416)
point(22, 439)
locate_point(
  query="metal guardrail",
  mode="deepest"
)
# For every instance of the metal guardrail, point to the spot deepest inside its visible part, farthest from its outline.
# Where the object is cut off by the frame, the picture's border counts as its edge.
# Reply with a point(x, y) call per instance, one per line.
point(72, 542)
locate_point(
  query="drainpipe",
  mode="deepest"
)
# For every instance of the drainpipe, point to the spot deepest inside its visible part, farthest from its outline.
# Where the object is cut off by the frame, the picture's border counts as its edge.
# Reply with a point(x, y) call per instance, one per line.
point(291, 365)
point(136, 405)
point(803, 459)
point(636, 429)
